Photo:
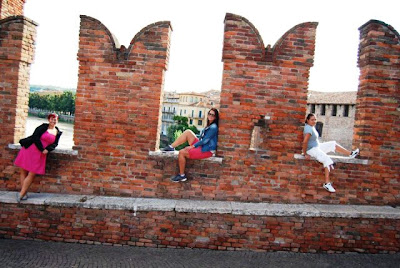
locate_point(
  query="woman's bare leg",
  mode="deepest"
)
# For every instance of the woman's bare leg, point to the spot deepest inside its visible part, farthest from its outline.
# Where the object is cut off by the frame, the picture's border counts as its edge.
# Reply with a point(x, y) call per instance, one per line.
point(186, 136)
point(26, 184)
point(327, 175)
point(342, 150)
point(183, 154)
point(22, 175)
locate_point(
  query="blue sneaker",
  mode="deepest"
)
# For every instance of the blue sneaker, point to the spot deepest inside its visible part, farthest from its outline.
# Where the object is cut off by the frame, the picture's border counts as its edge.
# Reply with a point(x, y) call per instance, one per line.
point(169, 148)
point(179, 178)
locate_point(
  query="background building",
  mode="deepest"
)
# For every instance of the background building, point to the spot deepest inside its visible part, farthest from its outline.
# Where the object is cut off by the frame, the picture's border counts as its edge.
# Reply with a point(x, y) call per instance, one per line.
point(335, 113)
point(192, 105)
point(169, 107)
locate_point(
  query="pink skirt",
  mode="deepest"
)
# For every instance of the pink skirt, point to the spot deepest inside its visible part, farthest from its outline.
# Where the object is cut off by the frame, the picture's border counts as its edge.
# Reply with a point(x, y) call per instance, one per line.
point(196, 153)
point(33, 160)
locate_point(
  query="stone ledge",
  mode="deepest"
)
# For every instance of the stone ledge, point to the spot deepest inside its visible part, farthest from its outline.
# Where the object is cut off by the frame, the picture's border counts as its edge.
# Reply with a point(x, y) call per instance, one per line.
point(17, 146)
point(174, 154)
point(337, 159)
point(205, 206)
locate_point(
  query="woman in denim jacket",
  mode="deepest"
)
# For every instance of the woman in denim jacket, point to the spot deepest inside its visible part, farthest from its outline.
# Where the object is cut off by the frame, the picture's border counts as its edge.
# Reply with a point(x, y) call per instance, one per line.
point(199, 148)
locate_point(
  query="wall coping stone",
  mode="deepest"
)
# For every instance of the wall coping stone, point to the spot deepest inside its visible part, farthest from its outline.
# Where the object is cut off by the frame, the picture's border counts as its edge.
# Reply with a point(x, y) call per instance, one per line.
point(17, 146)
point(204, 206)
point(174, 154)
point(18, 18)
point(337, 159)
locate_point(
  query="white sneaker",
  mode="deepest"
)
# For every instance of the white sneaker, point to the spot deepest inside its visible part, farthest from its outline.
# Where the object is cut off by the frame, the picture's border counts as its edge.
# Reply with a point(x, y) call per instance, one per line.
point(328, 186)
point(354, 153)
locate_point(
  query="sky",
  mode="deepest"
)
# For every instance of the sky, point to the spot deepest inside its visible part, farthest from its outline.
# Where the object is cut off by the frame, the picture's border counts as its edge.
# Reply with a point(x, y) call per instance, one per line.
point(195, 62)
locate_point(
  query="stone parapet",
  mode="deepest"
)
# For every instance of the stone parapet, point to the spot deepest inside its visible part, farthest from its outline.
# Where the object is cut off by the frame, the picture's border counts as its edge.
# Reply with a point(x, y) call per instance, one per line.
point(201, 224)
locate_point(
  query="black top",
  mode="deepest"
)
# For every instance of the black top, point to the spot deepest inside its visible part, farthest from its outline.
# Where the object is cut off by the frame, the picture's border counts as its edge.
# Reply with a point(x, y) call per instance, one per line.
point(35, 138)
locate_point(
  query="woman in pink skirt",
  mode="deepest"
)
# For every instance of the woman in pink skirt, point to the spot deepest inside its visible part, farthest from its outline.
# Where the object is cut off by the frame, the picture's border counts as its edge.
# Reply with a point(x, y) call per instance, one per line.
point(33, 154)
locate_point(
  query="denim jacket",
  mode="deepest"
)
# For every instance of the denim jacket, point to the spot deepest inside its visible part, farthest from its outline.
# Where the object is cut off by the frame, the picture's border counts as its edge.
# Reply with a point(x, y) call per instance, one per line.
point(208, 138)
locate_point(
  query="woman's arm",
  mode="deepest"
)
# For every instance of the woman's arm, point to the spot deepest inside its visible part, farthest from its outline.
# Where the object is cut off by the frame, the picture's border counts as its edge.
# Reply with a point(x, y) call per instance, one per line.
point(210, 133)
point(37, 134)
point(305, 143)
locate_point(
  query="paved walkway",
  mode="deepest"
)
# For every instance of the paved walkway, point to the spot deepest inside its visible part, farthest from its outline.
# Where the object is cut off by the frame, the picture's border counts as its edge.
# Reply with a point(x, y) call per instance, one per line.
point(18, 253)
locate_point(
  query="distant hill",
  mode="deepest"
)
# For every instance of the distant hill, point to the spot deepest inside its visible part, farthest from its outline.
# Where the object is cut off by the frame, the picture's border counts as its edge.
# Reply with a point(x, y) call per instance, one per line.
point(42, 89)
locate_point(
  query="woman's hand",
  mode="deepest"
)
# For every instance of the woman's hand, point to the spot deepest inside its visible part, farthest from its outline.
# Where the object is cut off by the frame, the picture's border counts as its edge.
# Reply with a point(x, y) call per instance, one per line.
point(307, 156)
point(189, 147)
point(45, 151)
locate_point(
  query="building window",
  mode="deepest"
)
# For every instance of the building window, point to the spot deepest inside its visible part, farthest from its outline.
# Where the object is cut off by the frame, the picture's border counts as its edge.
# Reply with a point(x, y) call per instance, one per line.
point(319, 126)
point(199, 114)
point(323, 109)
point(191, 121)
point(184, 111)
point(346, 111)
point(334, 110)
point(180, 112)
point(174, 109)
point(200, 122)
point(192, 113)
point(313, 108)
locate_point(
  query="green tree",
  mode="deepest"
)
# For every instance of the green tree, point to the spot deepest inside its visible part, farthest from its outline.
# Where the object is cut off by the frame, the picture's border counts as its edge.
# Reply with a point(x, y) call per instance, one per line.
point(64, 103)
point(34, 100)
point(174, 131)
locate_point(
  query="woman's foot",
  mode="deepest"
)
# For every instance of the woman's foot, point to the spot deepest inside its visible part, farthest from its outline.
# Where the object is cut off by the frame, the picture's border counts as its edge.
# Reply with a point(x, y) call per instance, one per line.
point(354, 153)
point(328, 186)
point(179, 178)
point(169, 148)
point(18, 198)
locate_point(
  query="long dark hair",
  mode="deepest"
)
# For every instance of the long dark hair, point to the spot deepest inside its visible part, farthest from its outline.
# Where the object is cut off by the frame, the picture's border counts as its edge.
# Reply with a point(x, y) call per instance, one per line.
point(309, 116)
point(216, 119)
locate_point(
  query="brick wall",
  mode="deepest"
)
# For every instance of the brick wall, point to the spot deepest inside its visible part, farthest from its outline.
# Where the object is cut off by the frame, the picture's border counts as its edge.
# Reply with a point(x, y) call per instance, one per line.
point(199, 230)
point(11, 8)
point(377, 121)
point(17, 37)
point(118, 118)
point(118, 103)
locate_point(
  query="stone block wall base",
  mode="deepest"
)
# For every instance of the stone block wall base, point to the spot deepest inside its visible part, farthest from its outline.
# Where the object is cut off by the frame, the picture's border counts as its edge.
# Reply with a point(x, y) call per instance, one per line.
point(192, 228)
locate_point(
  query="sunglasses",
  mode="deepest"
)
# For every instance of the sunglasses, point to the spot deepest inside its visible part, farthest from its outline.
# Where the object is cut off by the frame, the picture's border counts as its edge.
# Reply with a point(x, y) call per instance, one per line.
point(211, 114)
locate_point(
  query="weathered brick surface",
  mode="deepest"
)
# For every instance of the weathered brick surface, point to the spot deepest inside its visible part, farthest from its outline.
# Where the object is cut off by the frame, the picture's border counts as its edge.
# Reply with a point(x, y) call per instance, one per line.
point(11, 8)
point(377, 121)
point(118, 119)
point(17, 37)
point(118, 106)
point(197, 230)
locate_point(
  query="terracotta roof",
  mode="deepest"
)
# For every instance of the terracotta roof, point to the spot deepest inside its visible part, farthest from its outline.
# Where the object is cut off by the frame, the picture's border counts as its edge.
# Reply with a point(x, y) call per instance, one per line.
point(200, 104)
point(316, 97)
point(192, 93)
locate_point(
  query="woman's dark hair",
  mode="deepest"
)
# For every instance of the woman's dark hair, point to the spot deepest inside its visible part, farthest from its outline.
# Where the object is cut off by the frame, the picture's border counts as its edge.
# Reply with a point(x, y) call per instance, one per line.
point(216, 117)
point(52, 115)
point(309, 116)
